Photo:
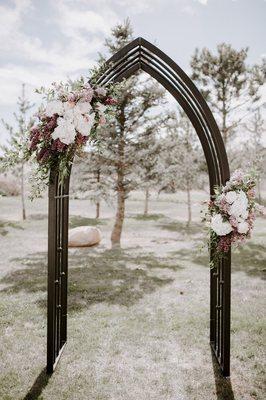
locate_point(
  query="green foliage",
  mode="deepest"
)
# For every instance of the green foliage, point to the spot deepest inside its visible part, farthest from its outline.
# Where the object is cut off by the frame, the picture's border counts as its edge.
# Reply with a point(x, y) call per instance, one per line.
point(4, 225)
point(121, 35)
point(181, 156)
point(78, 220)
point(227, 83)
point(150, 217)
point(15, 151)
point(127, 155)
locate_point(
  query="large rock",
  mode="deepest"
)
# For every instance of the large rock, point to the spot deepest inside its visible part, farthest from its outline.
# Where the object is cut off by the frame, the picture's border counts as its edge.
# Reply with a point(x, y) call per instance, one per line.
point(84, 236)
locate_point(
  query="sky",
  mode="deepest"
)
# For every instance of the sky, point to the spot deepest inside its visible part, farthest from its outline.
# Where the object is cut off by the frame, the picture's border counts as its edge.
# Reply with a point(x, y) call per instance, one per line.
point(42, 41)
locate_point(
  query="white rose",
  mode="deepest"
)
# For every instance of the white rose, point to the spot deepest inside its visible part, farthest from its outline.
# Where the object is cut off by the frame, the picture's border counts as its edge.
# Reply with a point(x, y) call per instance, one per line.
point(241, 196)
point(240, 205)
point(69, 114)
point(243, 227)
point(83, 107)
point(84, 124)
point(68, 105)
point(65, 131)
point(219, 226)
point(54, 107)
point(230, 197)
point(243, 216)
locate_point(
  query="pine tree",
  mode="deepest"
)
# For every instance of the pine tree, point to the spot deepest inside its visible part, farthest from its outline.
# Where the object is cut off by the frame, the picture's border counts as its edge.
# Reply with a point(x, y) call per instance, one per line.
point(16, 138)
point(149, 152)
point(254, 146)
point(91, 178)
point(182, 159)
point(228, 84)
point(137, 97)
point(149, 149)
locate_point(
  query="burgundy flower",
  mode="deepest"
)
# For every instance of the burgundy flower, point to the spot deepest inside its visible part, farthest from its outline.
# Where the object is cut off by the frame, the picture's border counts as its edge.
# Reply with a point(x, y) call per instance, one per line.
point(43, 155)
point(52, 124)
point(225, 243)
point(80, 139)
point(57, 145)
point(33, 132)
point(111, 101)
point(33, 145)
point(35, 138)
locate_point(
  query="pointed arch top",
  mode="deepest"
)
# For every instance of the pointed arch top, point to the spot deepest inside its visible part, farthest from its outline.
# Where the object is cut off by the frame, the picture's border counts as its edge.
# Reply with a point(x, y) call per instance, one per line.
point(142, 55)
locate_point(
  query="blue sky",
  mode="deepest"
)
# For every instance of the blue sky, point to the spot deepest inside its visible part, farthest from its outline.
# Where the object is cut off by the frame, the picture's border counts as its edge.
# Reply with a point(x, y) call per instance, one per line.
point(47, 40)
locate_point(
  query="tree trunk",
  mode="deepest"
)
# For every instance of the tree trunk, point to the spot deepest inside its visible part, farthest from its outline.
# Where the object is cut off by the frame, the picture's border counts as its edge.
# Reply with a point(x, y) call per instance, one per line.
point(146, 204)
point(97, 210)
point(98, 178)
point(259, 191)
point(224, 116)
point(121, 196)
point(119, 218)
point(189, 206)
point(23, 193)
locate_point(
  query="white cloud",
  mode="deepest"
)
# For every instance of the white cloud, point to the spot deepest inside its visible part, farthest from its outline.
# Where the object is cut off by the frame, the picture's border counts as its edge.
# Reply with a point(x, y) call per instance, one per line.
point(137, 6)
point(75, 19)
point(29, 60)
point(73, 56)
point(204, 2)
point(188, 9)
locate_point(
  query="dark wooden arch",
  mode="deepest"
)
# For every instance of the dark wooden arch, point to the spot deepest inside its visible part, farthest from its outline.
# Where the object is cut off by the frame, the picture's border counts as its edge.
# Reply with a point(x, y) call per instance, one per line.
point(142, 55)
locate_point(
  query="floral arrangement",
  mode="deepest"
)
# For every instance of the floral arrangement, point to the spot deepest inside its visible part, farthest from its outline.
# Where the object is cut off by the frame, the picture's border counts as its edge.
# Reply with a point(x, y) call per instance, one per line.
point(70, 118)
point(65, 124)
point(231, 214)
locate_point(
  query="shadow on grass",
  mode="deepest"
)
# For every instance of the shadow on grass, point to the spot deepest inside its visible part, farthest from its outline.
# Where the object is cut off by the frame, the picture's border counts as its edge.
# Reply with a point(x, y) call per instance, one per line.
point(38, 217)
point(223, 385)
point(111, 276)
point(250, 259)
point(181, 227)
point(78, 220)
point(6, 224)
point(149, 217)
point(39, 384)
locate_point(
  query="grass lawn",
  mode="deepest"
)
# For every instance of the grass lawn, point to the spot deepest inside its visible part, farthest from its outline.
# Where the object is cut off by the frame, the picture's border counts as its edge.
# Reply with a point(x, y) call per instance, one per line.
point(138, 317)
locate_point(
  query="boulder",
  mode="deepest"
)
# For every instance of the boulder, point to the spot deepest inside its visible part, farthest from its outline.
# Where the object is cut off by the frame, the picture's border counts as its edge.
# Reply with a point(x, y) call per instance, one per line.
point(84, 236)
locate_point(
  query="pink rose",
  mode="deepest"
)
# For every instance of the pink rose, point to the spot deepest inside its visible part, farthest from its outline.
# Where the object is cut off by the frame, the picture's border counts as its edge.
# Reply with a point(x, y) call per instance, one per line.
point(71, 97)
point(233, 221)
point(251, 193)
point(102, 120)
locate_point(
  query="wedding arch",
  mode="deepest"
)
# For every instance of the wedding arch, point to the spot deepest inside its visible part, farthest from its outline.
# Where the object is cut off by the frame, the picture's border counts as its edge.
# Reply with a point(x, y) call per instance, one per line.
point(142, 55)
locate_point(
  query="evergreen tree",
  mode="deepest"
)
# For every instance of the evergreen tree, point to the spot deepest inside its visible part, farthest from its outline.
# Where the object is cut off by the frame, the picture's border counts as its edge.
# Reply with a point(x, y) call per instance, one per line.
point(120, 150)
point(91, 179)
point(256, 126)
point(16, 138)
point(251, 153)
point(228, 84)
point(148, 172)
point(182, 158)
point(148, 150)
